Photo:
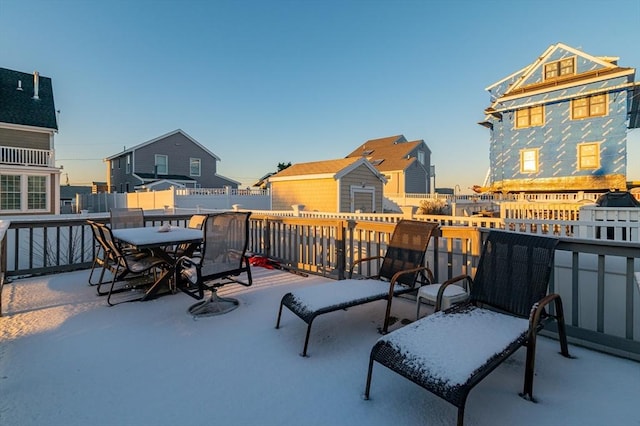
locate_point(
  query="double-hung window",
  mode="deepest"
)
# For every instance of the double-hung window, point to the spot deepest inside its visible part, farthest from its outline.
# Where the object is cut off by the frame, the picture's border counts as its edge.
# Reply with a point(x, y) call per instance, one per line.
point(589, 106)
point(588, 156)
point(529, 161)
point(162, 164)
point(194, 166)
point(24, 193)
point(36, 192)
point(530, 117)
point(10, 192)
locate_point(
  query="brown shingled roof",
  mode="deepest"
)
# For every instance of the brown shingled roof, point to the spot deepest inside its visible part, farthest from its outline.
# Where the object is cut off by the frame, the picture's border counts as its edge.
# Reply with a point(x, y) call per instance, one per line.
point(317, 167)
point(393, 150)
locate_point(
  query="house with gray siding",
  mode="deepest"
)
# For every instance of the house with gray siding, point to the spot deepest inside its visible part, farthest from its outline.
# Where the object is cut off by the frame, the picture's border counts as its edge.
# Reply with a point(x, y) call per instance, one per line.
point(560, 124)
point(174, 159)
point(405, 164)
point(29, 178)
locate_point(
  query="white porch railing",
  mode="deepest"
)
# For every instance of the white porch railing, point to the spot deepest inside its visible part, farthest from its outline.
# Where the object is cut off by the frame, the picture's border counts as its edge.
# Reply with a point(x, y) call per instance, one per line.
point(26, 156)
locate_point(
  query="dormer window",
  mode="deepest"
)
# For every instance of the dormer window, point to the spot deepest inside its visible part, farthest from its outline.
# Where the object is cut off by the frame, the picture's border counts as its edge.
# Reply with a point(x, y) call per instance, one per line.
point(560, 68)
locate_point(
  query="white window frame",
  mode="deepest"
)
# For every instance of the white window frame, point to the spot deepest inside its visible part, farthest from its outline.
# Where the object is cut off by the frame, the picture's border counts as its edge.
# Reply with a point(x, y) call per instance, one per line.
point(525, 166)
point(191, 162)
point(128, 164)
point(421, 157)
point(24, 193)
point(166, 165)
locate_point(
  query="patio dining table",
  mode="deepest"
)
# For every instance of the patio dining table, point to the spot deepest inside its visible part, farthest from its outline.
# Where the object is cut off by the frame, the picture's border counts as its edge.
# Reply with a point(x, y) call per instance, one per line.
point(157, 239)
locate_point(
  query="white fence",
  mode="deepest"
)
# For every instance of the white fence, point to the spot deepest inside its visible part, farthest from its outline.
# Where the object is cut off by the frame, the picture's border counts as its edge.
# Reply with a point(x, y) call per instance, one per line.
point(177, 198)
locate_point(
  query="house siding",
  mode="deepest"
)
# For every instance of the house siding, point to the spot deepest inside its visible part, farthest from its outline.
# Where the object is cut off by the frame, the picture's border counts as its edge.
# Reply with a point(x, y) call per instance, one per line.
point(416, 179)
point(119, 176)
point(357, 177)
point(558, 138)
point(316, 194)
point(25, 139)
point(179, 151)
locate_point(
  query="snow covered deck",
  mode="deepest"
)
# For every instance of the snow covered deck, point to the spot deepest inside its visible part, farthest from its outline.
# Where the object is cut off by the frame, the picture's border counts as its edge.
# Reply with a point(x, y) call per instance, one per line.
point(66, 358)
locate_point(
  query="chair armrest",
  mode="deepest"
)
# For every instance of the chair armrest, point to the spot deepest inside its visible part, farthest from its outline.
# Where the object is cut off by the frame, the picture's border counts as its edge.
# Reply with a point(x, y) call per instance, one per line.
point(468, 283)
point(364, 259)
point(538, 309)
point(397, 276)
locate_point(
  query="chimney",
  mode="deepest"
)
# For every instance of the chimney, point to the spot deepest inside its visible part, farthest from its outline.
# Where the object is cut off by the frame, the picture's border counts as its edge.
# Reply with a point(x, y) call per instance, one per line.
point(19, 85)
point(36, 81)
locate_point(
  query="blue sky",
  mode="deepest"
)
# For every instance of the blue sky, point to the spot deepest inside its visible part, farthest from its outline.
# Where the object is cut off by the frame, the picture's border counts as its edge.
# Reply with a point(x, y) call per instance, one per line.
point(264, 82)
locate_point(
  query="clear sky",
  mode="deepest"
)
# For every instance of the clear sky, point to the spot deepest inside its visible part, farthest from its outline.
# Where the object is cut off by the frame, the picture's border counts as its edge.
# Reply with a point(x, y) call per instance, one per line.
point(264, 82)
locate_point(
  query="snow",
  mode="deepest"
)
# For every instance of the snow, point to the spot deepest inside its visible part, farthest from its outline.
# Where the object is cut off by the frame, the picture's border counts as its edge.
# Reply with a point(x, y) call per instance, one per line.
point(481, 330)
point(316, 297)
point(67, 359)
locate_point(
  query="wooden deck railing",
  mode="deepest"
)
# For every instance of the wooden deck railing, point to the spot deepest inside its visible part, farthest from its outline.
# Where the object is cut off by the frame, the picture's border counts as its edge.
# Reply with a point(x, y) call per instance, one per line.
point(594, 277)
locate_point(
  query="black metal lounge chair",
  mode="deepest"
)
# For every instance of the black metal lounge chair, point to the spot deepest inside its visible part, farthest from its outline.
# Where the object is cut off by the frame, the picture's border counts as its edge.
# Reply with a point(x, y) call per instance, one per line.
point(223, 258)
point(451, 351)
point(402, 265)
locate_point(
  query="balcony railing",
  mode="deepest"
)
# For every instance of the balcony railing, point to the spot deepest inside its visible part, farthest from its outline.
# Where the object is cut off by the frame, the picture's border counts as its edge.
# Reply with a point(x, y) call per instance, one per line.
point(26, 156)
point(594, 277)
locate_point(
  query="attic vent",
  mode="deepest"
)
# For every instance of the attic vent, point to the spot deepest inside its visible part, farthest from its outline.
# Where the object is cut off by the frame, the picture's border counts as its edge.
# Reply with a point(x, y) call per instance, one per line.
point(377, 162)
point(19, 85)
point(367, 152)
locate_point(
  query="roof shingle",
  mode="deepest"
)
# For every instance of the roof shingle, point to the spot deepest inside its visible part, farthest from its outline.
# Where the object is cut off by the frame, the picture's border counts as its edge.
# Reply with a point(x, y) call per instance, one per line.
point(19, 107)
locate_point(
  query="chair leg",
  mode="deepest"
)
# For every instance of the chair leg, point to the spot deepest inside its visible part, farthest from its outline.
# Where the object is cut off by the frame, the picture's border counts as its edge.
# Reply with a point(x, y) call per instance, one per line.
point(461, 415)
point(279, 316)
point(562, 331)
point(387, 316)
point(306, 340)
point(369, 374)
point(527, 391)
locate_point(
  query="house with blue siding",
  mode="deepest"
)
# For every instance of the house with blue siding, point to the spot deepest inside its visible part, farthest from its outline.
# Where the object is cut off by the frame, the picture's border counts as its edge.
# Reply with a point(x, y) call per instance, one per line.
point(560, 124)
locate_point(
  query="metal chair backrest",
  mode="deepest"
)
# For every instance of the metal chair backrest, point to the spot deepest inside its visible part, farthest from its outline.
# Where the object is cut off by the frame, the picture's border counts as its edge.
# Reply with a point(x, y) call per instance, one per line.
point(226, 238)
point(406, 249)
point(197, 221)
point(127, 218)
point(513, 271)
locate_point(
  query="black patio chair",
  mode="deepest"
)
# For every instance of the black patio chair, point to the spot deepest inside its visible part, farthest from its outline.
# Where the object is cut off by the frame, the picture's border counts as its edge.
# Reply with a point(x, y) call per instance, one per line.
point(103, 259)
point(505, 311)
point(222, 260)
point(129, 270)
point(402, 265)
point(126, 218)
point(196, 221)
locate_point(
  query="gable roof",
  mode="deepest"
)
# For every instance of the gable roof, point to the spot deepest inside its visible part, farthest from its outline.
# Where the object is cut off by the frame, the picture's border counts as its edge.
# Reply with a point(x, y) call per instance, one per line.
point(606, 68)
point(388, 154)
point(519, 84)
point(324, 169)
point(18, 103)
point(149, 142)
